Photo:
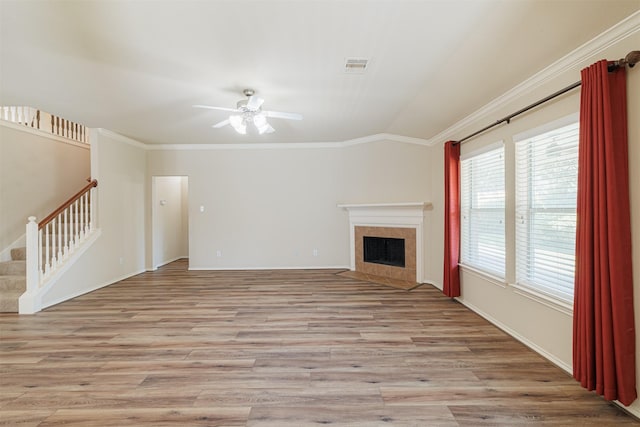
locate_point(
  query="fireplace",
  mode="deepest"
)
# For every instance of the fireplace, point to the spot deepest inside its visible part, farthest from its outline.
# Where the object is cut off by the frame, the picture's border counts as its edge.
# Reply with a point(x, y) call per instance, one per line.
point(389, 223)
point(406, 271)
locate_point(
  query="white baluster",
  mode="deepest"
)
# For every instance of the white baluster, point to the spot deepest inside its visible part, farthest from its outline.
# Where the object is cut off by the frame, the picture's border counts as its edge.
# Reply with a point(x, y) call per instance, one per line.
point(41, 262)
point(92, 207)
point(75, 224)
point(59, 229)
point(81, 200)
point(81, 217)
point(66, 232)
point(54, 259)
point(47, 238)
point(85, 197)
point(78, 221)
point(85, 202)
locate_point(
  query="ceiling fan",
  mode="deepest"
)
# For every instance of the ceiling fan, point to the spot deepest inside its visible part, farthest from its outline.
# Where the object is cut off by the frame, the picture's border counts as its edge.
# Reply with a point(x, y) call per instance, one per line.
point(249, 111)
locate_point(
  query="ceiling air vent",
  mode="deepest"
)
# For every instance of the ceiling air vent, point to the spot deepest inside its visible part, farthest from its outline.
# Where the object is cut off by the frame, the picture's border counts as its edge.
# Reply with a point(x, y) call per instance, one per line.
point(355, 65)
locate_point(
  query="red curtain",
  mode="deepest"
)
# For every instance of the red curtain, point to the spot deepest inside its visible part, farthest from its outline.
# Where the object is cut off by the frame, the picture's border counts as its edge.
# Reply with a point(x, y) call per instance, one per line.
point(451, 219)
point(603, 324)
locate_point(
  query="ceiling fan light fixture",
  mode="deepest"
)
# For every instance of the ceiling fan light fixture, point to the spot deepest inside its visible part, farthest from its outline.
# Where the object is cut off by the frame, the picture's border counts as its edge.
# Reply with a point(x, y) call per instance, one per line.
point(266, 128)
point(259, 120)
point(249, 112)
point(237, 122)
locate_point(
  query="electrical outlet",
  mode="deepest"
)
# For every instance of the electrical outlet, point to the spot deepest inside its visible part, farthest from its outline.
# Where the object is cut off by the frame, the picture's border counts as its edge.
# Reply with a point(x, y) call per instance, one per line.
point(218, 253)
point(121, 260)
point(315, 252)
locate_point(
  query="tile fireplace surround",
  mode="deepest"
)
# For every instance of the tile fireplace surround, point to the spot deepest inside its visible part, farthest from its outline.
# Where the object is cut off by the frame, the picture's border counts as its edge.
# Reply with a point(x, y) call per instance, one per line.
point(399, 220)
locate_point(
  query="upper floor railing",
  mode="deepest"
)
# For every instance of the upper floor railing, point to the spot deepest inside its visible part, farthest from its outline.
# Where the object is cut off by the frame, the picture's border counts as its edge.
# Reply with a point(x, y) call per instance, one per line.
point(37, 119)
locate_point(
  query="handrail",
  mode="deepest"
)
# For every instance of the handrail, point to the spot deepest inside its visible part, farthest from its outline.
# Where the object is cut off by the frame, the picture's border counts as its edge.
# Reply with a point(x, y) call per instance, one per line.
point(65, 205)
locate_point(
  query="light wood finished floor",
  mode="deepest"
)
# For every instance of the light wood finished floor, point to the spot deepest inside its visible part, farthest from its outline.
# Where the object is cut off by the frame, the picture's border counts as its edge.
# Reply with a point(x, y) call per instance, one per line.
point(276, 348)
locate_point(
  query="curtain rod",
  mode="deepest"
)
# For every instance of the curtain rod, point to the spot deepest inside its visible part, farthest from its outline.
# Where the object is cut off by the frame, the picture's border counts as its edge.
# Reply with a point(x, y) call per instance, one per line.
point(631, 59)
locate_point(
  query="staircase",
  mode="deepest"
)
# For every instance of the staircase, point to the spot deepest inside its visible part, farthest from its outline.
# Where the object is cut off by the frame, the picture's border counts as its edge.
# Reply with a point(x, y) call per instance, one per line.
point(54, 243)
point(13, 280)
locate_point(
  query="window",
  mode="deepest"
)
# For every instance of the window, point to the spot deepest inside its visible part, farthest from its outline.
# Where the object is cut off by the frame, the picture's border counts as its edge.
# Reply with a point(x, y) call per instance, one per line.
point(482, 211)
point(546, 192)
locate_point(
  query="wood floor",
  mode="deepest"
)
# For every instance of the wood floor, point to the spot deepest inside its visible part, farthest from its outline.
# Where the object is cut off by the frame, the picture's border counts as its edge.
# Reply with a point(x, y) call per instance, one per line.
point(276, 348)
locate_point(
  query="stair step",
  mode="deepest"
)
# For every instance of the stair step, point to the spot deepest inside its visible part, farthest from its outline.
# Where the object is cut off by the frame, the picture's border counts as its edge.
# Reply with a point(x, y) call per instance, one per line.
point(18, 254)
point(10, 284)
point(9, 302)
point(13, 268)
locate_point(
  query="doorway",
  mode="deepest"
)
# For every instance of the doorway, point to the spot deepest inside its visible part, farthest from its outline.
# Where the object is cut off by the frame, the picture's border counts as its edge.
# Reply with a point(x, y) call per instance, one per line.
point(170, 219)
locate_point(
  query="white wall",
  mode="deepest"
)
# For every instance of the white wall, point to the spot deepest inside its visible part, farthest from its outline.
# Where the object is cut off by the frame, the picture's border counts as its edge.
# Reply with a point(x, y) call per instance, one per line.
point(546, 329)
point(119, 252)
point(270, 208)
point(170, 219)
point(37, 174)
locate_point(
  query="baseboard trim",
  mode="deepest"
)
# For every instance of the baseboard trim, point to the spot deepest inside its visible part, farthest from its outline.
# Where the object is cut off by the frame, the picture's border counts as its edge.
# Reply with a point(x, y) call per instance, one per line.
point(92, 289)
point(314, 267)
point(434, 283)
point(567, 368)
point(163, 263)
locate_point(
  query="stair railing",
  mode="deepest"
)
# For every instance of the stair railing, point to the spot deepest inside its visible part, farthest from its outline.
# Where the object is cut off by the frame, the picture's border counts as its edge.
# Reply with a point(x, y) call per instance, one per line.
point(52, 240)
point(22, 115)
point(37, 119)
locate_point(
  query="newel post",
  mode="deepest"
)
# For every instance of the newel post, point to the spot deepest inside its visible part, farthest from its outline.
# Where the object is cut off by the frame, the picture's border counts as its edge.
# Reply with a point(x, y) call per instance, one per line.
point(28, 301)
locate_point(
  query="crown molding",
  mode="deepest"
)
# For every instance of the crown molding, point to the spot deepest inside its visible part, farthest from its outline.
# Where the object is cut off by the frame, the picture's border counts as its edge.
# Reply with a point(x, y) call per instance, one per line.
point(385, 137)
point(245, 146)
point(290, 145)
point(575, 59)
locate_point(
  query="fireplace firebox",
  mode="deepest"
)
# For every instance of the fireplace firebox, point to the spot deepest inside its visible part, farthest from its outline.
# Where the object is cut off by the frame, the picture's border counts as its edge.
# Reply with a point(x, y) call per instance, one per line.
point(384, 250)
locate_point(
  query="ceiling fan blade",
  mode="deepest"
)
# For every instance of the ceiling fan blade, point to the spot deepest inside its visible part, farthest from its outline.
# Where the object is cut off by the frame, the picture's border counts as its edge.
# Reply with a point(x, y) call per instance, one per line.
point(221, 124)
point(253, 103)
point(283, 115)
point(209, 107)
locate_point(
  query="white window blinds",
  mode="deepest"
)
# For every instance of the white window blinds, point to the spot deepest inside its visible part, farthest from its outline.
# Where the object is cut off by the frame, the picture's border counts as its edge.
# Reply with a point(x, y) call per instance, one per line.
point(482, 204)
point(546, 189)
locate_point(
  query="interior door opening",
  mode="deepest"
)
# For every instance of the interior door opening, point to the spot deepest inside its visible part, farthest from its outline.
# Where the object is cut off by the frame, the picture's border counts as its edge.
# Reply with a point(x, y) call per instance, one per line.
point(170, 219)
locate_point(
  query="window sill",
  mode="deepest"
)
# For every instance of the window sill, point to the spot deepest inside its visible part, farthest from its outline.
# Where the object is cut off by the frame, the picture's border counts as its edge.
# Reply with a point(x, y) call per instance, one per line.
point(543, 298)
point(494, 280)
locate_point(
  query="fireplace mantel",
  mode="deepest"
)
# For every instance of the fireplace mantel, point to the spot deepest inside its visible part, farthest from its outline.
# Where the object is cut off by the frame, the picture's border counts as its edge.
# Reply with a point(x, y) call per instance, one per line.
point(407, 209)
point(403, 215)
point(386, 206)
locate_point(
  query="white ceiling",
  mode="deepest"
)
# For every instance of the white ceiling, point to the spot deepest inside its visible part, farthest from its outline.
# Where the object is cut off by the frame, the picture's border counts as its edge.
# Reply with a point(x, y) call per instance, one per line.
point(137, 67)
